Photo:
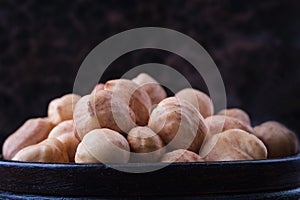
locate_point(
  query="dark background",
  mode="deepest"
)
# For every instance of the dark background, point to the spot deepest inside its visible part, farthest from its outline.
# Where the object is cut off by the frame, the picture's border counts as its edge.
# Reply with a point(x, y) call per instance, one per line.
point(255, 44)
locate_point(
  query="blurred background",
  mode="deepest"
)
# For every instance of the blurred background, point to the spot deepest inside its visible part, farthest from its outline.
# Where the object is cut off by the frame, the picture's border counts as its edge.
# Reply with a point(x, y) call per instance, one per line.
point(255, 44)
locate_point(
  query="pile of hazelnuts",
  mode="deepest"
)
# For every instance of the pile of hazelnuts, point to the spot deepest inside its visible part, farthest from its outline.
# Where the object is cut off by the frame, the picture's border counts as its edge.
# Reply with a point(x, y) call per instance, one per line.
point(134, 121)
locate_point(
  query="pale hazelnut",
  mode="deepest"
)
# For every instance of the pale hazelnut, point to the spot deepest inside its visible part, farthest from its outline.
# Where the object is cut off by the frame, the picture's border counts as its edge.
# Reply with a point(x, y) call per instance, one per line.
point(134, 96)
point(181, 155)
point(102, 110)
point(155, 91)
point(236, 113)
point(233, 144)
point(219, 123)
point(61, 109)
point(179, 124)
point(64, 132)
point(279, 140)
point(103, 146)
point(198, 99)
point(50, 150)
point(147, 145)
point(31, 132)
point(98, 87)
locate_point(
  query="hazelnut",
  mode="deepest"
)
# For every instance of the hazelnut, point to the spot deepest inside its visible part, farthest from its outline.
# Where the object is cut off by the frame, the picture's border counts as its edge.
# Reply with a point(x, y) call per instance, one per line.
point(31, 132)
point(219, 123)
point(64, 132)
point(155, 91)
point(279, 140)
point(103, 146)
point(179, 124)
point(233, 144)
point(102, 110)
point(147, 145)
point(181, 155)
point(134, 96)
point(98, 87)
point(236, 113)
point(50, 150)
point(61, 109)
point(198, 99)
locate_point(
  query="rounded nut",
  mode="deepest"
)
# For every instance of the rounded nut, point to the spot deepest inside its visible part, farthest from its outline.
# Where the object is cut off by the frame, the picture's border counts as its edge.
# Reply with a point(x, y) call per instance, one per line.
point(198, 99)
point(31, 132)
point(181, 155)
point(98, 87)
point(134, 96)
point(236, 113)
point(233, 144)
point(50, 150)
point(147, 145)
point(103, 146)
point(279, 140)
point(61, 109)
point(102, 110)
point(179, 124)
point(220, 123)
point(64, 132)
point(155, 91)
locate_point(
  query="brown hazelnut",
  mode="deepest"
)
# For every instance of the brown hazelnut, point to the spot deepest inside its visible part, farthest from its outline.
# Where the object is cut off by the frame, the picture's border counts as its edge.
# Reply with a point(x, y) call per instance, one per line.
point(219, 123)
point(103, 146)
point(233, 144)
point(147, 145)
point(102, 110)
point(31, 132)
point(64, 132)
point(179, 124)
point(50, 150)
point(61, 109)
point(134, 96)
point(198, 99)
point(181, 155)
point(236, 113)
point(279, 140)
point(155, 91)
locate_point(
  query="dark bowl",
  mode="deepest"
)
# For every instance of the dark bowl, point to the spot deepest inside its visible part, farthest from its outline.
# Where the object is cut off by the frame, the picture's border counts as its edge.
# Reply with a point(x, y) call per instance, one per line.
point(257, 179)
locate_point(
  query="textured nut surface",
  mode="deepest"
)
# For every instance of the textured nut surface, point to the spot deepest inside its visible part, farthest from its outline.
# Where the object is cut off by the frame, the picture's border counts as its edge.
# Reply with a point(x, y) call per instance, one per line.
point(233, 144)
point(279, 140)
point(50, 150)
point(61, 109)
point(155, 91)
point(143, 140)
point(102, 110)
point(179, 124)
point(181, 155)
point(134, 96)
point(198, 99)
point(219, 123)
point(103, 146)
point(31, 132)
point(98, 87)
point(64, 132)
point(236, 113)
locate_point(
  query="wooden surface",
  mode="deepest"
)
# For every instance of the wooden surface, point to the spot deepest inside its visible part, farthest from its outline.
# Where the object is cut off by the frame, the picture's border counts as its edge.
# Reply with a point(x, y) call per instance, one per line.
point(215, 179)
